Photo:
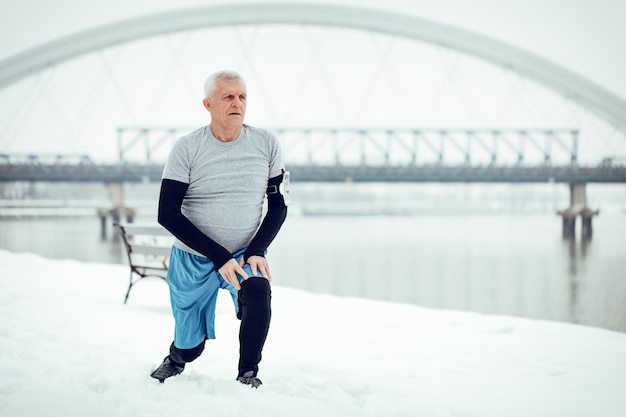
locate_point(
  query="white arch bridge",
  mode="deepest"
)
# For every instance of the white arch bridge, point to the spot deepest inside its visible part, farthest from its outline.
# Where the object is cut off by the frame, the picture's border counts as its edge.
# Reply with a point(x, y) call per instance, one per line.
point(345, 154)
point(593, 97)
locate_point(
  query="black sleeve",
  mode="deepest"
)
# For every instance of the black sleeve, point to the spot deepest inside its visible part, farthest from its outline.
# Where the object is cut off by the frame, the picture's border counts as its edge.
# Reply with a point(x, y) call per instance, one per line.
point(171, 217)
point(274, 218)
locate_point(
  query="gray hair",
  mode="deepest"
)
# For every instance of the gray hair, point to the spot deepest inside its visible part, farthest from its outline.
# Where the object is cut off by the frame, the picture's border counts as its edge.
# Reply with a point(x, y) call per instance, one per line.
point(226, 75)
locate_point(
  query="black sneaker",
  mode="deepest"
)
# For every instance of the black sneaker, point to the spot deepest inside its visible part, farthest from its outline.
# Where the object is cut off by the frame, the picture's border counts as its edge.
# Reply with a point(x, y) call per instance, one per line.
point(249, 379)
point(167, 369)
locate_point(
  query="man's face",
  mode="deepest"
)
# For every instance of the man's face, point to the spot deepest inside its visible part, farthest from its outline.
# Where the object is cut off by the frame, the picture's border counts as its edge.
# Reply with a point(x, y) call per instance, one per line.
point(228, 104)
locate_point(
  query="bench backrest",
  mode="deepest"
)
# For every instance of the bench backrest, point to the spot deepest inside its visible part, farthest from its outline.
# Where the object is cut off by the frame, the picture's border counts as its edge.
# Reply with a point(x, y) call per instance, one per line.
point(146, 243)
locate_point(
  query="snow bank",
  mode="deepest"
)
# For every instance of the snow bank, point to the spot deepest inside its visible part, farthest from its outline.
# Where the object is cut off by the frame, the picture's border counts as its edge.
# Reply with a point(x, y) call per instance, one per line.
point(71, 348)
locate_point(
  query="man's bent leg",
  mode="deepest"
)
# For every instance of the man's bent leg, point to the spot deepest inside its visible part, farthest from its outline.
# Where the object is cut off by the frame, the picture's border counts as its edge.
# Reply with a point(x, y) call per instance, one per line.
point(255, 312)
point(182, 356)
point(174, 363)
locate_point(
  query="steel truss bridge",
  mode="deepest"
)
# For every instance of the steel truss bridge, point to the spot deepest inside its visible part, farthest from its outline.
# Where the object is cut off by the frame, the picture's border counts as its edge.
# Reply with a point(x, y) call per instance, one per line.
point(352, 155)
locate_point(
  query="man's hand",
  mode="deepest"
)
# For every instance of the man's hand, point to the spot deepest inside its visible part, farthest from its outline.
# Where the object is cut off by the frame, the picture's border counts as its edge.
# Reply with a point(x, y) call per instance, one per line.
point(258, 264)
point(230, 270)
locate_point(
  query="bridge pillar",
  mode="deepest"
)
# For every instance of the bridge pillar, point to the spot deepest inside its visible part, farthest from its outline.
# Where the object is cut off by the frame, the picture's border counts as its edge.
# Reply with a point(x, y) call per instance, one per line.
point(578, 194)
point(578, 207)
point(569, 226)
point(116, 194)
point(117, 210)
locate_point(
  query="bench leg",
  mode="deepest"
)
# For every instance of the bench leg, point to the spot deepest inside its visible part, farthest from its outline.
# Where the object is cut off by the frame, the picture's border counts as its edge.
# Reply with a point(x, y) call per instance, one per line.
point(130, 285)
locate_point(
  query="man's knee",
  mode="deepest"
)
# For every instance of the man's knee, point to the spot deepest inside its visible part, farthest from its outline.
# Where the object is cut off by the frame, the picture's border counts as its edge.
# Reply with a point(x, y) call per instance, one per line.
point(186, 355)
point(256, 286)
point(255, 297)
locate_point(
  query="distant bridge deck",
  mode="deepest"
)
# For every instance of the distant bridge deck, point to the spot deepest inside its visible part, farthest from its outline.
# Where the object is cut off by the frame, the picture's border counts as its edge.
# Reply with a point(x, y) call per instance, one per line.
point(353, 155)
point(88, 171)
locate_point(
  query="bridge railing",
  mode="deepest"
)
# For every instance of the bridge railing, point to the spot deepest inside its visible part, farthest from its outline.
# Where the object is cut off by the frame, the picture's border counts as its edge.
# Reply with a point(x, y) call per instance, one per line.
point(318, 154)
point(384, 146)
point(417, 147)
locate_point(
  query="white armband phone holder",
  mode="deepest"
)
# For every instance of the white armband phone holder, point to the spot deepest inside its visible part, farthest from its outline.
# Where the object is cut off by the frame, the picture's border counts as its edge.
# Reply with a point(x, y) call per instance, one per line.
point(282, 188)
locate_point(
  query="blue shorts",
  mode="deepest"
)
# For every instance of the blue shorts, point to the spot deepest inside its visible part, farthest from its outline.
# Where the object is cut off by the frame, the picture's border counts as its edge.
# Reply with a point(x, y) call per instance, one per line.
point(194, 283)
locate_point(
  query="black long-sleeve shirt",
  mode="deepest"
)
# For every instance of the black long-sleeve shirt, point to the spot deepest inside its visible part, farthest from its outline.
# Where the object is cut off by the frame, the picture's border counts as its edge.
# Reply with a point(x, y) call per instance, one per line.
point(171, 217)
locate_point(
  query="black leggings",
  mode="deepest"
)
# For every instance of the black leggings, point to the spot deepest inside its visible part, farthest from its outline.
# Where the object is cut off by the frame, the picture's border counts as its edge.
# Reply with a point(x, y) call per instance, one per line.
point(255, 313)
point(182, 356)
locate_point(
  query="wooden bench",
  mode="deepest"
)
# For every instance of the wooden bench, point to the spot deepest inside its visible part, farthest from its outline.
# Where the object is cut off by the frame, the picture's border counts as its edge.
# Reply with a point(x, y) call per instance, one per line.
point(148, 248)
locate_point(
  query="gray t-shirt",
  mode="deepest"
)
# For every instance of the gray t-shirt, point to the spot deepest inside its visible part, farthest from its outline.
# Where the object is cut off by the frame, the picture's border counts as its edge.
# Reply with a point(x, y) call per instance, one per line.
point(227, 182)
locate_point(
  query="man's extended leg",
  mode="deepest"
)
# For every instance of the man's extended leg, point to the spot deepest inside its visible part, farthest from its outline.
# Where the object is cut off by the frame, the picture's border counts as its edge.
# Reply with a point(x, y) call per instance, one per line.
point(174, 363)
point(193, 285)
point(255, 312)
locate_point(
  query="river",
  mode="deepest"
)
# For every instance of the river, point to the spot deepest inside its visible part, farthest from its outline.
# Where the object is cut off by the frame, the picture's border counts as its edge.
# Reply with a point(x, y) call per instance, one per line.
point(503, 262)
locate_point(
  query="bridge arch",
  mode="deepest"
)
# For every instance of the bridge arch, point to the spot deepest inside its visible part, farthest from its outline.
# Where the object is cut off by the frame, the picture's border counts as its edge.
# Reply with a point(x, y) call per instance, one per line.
point(593, 97)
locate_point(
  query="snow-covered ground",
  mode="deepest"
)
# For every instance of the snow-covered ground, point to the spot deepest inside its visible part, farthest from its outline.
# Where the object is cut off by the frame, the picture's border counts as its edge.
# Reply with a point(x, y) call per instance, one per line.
point(69, 347)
